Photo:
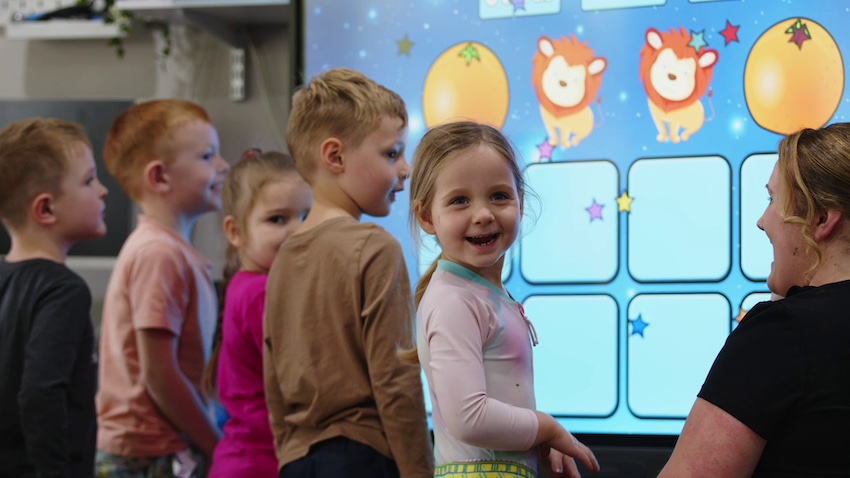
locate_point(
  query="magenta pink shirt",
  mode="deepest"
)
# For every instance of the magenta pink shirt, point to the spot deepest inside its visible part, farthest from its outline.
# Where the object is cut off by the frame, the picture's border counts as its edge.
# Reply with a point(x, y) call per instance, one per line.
point(247, 446)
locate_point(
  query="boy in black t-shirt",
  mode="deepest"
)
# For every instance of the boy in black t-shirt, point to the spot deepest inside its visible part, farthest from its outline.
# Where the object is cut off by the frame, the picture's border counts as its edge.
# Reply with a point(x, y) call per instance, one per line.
point(50, 198)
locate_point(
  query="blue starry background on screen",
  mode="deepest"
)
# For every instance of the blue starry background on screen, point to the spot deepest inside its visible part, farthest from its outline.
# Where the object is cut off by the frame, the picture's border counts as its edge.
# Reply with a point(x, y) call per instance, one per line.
point(647, 130)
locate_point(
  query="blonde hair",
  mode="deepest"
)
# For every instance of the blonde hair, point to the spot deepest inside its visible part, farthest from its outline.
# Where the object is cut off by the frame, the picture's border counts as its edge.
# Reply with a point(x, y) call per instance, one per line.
point(143, 133)
point(341, 103)
point(814, 167)
point(438, 147)
point(34, 156)
point(245, 180)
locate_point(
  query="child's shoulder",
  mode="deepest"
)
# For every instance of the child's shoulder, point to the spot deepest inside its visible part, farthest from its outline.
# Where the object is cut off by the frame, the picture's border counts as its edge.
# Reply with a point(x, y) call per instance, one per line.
point(447, 289)
point(150, 241)
point(350, 231)
point(246, 286)
point(37, 276)
point(39, 268)
point(449, 283)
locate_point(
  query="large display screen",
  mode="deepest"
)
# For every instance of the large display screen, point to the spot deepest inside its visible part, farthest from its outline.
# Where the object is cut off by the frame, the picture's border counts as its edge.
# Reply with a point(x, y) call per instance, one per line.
point(648, 130)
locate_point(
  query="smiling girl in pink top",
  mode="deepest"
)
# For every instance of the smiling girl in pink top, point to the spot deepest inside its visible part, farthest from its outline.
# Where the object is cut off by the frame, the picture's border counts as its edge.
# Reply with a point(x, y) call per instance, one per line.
point(474, 341)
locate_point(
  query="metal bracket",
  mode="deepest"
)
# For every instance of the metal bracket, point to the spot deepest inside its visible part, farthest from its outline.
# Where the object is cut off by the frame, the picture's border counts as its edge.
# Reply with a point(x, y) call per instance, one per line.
point(237, 74)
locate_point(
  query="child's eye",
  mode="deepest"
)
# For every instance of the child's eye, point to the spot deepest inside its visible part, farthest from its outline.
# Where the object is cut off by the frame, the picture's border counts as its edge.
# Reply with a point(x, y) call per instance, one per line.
point(769, 199)
point(500, 197)
point(458, 201)
point(278, 219)
point(396, 151)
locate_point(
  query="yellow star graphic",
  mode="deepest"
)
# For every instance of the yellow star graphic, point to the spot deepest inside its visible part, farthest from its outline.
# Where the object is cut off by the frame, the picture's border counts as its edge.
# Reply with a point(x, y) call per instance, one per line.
point(404, 45)
point(624, 202)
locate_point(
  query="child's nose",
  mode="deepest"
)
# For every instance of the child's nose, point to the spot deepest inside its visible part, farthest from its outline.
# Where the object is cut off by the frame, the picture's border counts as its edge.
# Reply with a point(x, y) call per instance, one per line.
point(403, 168)
point(483, 215)
point(222, 166)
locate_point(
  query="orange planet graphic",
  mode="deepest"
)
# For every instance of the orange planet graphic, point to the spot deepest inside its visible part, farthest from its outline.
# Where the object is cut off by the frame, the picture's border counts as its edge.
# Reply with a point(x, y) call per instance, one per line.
point(794, 76)
point(466, 82)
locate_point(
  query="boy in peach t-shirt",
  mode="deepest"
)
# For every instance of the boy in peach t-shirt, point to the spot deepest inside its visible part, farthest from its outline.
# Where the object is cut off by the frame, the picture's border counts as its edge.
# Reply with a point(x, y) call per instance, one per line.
point(160, 308)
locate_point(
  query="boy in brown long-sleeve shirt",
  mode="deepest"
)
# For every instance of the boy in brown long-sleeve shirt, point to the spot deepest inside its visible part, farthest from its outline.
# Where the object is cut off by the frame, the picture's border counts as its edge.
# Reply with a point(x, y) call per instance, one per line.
point(338, 305)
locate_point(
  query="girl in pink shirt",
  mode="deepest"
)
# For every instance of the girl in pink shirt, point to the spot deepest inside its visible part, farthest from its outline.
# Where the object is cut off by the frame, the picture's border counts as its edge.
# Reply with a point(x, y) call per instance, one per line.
point(473, 339)
point(265, 200)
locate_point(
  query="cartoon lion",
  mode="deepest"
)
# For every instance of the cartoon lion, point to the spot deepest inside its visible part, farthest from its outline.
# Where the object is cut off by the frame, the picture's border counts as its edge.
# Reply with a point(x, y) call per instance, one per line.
point(566, 76)
point(675, 76)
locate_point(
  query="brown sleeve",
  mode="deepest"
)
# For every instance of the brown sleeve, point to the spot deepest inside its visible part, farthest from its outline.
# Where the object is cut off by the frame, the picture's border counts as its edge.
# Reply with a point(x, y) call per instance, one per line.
point(274, 397)
point(387, 319)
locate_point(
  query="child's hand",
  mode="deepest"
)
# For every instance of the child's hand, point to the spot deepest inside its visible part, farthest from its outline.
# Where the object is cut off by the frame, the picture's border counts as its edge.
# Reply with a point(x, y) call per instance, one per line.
point(558, 463)
point(551, 434)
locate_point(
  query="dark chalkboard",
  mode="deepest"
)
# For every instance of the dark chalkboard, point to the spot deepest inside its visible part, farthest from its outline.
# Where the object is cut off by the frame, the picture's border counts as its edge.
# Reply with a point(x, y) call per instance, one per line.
point(97, 117)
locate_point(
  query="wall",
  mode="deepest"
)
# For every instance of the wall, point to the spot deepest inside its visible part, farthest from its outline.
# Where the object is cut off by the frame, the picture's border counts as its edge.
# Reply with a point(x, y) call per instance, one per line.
point(198, 69)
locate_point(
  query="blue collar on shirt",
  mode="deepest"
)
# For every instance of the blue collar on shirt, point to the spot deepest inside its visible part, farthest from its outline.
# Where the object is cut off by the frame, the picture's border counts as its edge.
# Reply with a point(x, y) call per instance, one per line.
point(460, 271)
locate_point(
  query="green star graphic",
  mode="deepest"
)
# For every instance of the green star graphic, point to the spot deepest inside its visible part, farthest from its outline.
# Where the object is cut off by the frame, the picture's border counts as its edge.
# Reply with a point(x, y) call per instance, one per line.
point(469, 53)
point(404, 46)
point(697, 40)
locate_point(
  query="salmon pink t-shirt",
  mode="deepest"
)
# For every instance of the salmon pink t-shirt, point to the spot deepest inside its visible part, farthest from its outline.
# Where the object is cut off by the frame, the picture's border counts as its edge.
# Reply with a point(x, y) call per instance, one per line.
point(160, 281)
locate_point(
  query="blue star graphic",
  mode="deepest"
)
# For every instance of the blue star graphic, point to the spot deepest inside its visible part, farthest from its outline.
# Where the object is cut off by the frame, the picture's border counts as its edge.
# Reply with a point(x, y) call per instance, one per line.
point(638, 325)
point(697, 40)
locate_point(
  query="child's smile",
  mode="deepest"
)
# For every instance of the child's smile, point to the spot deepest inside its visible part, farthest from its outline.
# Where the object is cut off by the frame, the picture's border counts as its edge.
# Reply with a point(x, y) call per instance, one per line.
point(476, 211)
point(483, 240)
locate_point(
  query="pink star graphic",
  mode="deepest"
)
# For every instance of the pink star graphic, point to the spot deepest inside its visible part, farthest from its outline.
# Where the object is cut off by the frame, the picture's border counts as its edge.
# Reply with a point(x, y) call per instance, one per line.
point(545, 150)
point(730, 33)
point(595, 210)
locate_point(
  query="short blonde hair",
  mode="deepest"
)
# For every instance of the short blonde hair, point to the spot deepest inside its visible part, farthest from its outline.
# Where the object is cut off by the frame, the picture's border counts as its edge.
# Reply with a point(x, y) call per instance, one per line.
point(339, 103)
point(143, 133)
point(814, 168)
point(34, 156)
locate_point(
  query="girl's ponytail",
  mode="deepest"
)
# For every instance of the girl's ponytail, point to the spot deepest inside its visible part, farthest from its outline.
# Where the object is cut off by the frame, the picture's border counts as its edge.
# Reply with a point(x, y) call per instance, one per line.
point(411, 355)
point(231, 267)
point(422, 284)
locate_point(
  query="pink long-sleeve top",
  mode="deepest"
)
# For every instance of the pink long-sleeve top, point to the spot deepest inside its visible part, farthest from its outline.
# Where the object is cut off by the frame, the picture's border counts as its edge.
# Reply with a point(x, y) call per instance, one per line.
point(475, 348)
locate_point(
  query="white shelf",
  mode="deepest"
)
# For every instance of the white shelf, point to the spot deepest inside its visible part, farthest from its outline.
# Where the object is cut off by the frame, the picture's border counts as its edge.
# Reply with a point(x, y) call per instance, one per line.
point(231, 12)
point(222, 18)
point(62, 30)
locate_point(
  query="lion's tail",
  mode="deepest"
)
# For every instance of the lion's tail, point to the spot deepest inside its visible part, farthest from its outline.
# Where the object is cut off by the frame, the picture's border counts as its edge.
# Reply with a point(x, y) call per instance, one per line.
point(599, 110)
point(711, 105)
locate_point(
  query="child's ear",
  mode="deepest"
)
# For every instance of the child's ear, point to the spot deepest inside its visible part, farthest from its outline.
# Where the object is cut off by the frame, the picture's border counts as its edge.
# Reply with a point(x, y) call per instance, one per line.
point(425, 221)
point(155, 178)
point(42, 209)
point(331, 155)
point(231, 231)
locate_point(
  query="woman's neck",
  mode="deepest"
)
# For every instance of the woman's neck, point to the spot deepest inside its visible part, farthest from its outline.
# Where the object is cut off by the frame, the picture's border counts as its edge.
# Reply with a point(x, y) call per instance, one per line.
point(834, 265)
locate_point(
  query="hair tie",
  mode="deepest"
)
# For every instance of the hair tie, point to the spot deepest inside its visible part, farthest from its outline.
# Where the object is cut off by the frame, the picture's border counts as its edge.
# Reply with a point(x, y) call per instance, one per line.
point(250, 153)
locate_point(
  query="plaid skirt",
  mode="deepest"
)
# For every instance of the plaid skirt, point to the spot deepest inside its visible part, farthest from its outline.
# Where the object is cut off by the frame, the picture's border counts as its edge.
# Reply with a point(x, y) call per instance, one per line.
point(184, 464)
point(484, 469)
